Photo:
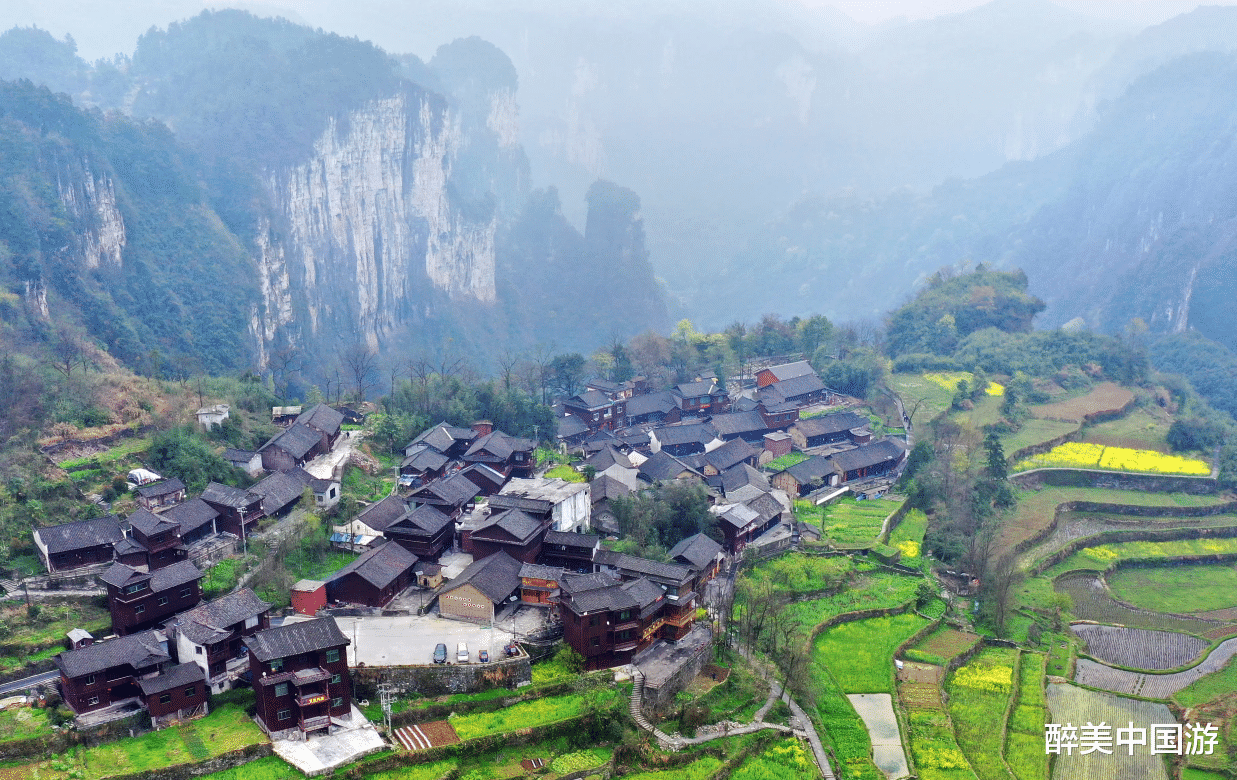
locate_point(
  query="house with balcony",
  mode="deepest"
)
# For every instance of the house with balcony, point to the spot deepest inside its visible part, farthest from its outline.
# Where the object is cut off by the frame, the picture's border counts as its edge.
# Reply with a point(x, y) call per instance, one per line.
point(239, 510)
point(608, 620)
point(139, 600)
point(213, 635)
point(598, 410)
point(158, 539)
point(300, 678)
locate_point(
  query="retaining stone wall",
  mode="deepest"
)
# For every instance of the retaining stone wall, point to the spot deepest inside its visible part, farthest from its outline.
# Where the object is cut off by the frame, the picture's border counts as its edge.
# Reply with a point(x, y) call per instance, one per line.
point(1115, 480)
point(444, 679)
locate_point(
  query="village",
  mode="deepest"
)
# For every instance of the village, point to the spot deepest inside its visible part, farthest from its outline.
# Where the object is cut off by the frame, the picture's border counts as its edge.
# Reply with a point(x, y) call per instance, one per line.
point(473, 566)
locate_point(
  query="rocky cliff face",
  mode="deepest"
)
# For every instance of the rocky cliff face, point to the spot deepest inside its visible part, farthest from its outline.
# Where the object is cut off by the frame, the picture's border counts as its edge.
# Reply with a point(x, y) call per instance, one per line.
point(366, 228)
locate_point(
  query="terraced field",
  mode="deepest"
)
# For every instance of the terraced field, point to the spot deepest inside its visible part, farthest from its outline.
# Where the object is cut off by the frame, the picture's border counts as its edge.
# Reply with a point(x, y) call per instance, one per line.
point(1071, 704)
point(1151, 686)
point(978, 699)
point(1104, 397)
point(1139, 648)
point(942, 646)
point(1024, 739)
point(1092, 602)
point(1186, 588)
point(1078, 525)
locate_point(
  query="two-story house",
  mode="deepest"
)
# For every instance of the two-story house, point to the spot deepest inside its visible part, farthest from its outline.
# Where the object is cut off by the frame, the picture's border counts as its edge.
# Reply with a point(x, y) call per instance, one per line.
point(140, 600)
point(598, 410)
point(156, 496)
point(212, 635)
point(104, 674)
point(300, 677)
point(159, 538)
point(239, 510)
point(81, 543)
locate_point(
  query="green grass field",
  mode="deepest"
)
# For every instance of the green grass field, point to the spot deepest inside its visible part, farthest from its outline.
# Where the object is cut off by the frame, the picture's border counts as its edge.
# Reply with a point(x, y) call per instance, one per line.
point(840, 727)
point(798, 573)
point(1214, 686)
point(934, 748)
point(701, 769)
point(269, 768)
point(924, 400)
point(785, 759)
point(1104, 556)
point(23, 723)
point(907, 537)
point(786, 461)
point(941, 646)
point(1035, 431)
point(1184, 588)
point(1024, 740)
point(1060, 656)
point(45, 628)
point(978, 697)
point(566, 473)
point(851, 523)
point(523, 715)
point(1140, 429)
point(873, 590)
point(860, 653)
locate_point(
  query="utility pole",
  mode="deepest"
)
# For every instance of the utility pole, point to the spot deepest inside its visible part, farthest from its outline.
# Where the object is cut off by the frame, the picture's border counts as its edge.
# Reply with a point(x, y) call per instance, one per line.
point(386, 693)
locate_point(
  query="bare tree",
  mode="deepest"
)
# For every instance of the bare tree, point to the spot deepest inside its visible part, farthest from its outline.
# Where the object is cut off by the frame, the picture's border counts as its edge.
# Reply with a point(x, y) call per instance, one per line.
point(284, 362)
point(67, 354)
point(362, 362)
point(507, 362)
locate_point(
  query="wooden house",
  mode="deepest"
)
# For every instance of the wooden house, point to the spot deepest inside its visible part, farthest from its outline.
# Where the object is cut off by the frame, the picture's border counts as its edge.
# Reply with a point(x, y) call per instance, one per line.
point(108, 673)
point(374, 578)
point(179, 694)
point(702, 555)
point(140, 600)
point(300, 678)
point(449, 440)
point(294, 446)
point(154, 497)
point(508, 455)
point(686, 439)
point(800, 391)
point(159, 537)
point(664, 467)
point(511, 531)
point(327, 422)
point(425, 532)
point(239, 510)
point(869, 461)
point(448, 495)
point(727, 456)
point(774, 374)
point(570, 551)
point(539, 584)
point(246, 461)
point(806, 476)
point(598, 410)
point(212, 636)
point(82, 543)
point(702, 397)
point(831, 429)
point(661, 407)
point(749, 426)
point(197, 520)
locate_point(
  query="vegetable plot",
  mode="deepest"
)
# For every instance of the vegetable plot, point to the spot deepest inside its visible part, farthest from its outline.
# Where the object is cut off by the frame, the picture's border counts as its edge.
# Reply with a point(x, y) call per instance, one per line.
point(1139, 648)
point(1024, 739)
point(978, 697)
point(1178, 588)
point(1085, 455)
point(942, 646)
point(1152, 686)
point(936, 752)
point(860, 653)
point(1071, 704)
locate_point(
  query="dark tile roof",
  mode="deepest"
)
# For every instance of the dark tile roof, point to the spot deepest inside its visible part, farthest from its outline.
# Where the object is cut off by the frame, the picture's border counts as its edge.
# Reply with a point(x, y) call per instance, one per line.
point(536, 571)
point(278, 491)
point(231, 497)
point(660, 402)
point(538, 506)
point(606, 599)
point(149, 523)
point(663, 467)
point(238, 456)
point(483, 476)
point(739, 423)
point(635, 438)
point(455, 490)
point(606, 486)
point(512, 523)
point(179, 573)
point(322, 418)
point(698, 551)
point(306, 636)
point(589, 399)
point(497, 577)
point(696, 389)
point(790, 389)
point(739, 516)
point(192, 515)
point(811, 469)
point(730, 454)
point(309, 480)
point(571, 539)
point(297, 440)
point(569, 425)
point(791, 370)
point(578, 583)
point(81, 534)
point(424, 520)
point(379, 567)
point(424, 458)
point(644, 592)
point(695, 433)
point(178, 676)
point(831, 423)
point(127, 546)
point(381, 515)
point(741, 475)
point(630, 564)
point(442, 436)
point(604, 385)
point(496, 443)
point(744, 404)
point(766, 506)
point(209, 622)
point(869, 455)
point(773, 406)
point(141, 651)
point(607, 457)
point(165, 488)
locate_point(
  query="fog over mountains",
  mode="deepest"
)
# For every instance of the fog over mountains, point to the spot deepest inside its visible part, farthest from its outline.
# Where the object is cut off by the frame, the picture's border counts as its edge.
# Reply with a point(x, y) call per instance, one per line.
point(756, 156)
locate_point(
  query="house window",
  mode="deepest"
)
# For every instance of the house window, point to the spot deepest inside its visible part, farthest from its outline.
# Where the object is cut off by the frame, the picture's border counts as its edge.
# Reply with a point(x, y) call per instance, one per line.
point(139, 609)
point(192, 690)
point(332, 656)
point(90, 679)
point(186, 593)
point(336, 679)
point(93, 700)
point(593, 620)
point(135, 588)
point(251, 622)
point(165, 698)
point(197, 649)
point(283, 715)
point(596, 642)
point(277, 665)
point(338, 701)
point(281, 689)
point(163, 601)
point(625, 615)
point(332, 493)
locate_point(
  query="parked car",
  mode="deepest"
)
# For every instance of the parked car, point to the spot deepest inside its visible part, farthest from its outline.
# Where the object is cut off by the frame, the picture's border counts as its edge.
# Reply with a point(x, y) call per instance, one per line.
point(461, 653)
point(440, 653)
point(483, 656)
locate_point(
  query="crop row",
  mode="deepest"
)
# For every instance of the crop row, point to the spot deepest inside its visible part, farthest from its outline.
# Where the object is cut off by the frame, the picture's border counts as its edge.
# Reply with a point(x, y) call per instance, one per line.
point(935, 749)
point(1024, 740)
point(1084, 455)
point(942, 646)
point(978, 698)
point(1152, 686)
point(1071, 704)
point(1091, 601)
point(1140, 648)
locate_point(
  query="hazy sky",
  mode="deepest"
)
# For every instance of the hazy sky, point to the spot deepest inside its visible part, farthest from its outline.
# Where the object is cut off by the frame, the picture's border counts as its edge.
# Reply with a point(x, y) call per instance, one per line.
point(105, 27)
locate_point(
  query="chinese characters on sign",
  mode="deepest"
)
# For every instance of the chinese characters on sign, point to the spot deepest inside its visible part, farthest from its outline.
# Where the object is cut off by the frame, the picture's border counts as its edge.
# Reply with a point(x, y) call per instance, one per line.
point(1192, 739)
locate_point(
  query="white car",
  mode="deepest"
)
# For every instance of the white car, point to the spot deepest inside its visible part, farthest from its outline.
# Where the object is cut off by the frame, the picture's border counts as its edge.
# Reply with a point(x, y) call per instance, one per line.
point(461, 653)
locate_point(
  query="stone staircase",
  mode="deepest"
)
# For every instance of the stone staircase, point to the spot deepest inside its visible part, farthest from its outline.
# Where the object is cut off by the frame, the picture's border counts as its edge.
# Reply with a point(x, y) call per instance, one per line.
point(10, 586)
point(665, 741)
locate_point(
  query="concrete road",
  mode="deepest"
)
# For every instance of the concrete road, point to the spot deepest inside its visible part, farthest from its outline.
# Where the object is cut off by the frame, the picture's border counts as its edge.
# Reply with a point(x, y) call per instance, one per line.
point(410, 640)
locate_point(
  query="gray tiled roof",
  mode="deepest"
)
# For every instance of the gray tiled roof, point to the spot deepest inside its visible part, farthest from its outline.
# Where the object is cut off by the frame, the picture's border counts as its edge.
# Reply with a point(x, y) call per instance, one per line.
point(630, 565)
point(766, 506)
point(442, 436)
point(323, 418)
point(607, 457)
point(306, 636)
point(209, 622)
point(536, 571)
point(192, 514)
point(794, 387)
point(496, 576)
point(181, 675)
point(739, 516)
point(696, 389)
point(141, 651)
point(743, 474)
point(425, 519)
point(730, 454)
point(569, 425)
point(570, 539)
point(662, 467)
point(424, 458)
point(81, 534)
point(513, 522)
point(224, 495)
point(578, 583)
point(496, 443)
point(278, 491)
point(699, 550)
point(813, 468)
point(381, 515)
point(831, 423)
point(179, 573)
point(455, 490)
point(165, 488)
point(589, 399)
point(601, 599)
point(238, 456)
point(149, 523)
point(739, 423)
point(695, 433)
point(791, 370)
point(606, 486)
point(508, 501)
point(659, 402)
point(869, 455)
point(644, 592)
point(297, 440)
point(379, 567)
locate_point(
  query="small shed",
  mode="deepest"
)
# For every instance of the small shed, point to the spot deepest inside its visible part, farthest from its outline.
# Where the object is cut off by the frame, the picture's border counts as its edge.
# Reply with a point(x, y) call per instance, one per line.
point(309, 596)
point(210, 416)
point(79, 638)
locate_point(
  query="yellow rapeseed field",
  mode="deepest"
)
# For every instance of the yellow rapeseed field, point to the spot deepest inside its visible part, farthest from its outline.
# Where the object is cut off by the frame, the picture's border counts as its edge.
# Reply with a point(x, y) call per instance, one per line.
point(949, 381)
point(1082, 455)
